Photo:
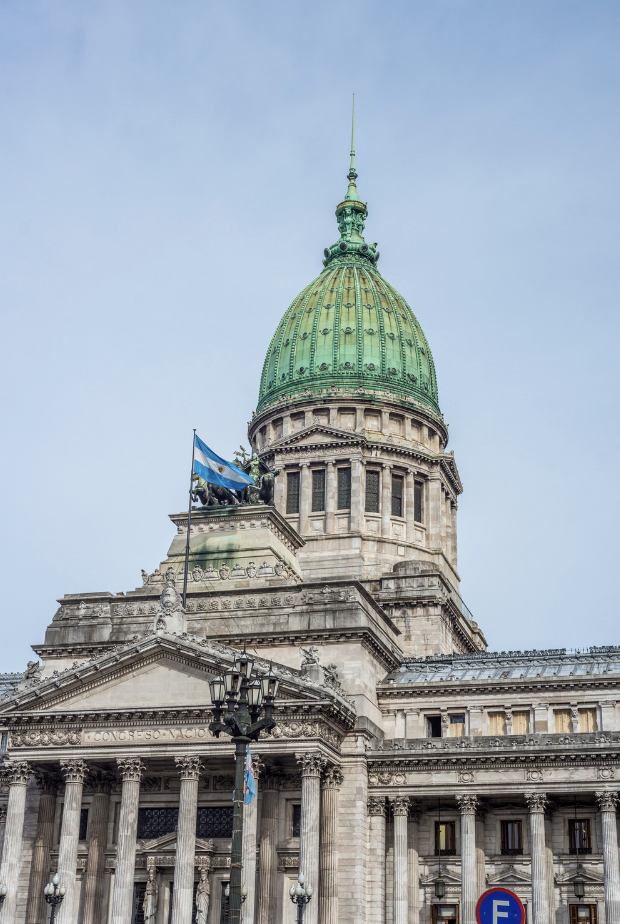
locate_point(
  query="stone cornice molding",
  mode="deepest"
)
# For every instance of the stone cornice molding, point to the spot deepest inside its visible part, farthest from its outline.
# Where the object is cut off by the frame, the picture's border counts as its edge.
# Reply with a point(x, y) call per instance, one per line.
point(73, 770)
point(312, 763)
point(376, 805)
point(399, 805)
point(189, 767)
point(607, 801)
point(17, 772)
point(332, 778)
point(130, 769)
point(536, 802)
point(468, 804)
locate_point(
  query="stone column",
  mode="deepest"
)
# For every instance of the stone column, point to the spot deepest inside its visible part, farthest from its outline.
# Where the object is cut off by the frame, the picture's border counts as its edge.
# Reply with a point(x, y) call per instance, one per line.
point(267, 876)
point(248, 860)
point(183, 895)
point(469, 891)
point(455, 557)
point(279, 492)
point(357, 495)
point(328, 892)
point(73, 772)
point(17, 774)
point(409, 505)
point(386, 500)
point(607, 802)
point(536, 803)
point(448, 516)
point(331, 500)
point(413, 863)
point(40, 869)
point(400, 810)
point(94, 881)
point(312, 764)
point(305, 493)
point(131, 770)
point(433, 512)
point(376, 860)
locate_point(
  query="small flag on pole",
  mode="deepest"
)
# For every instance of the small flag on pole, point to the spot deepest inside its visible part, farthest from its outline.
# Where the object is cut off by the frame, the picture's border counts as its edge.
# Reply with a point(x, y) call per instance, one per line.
point(218, 471)
point(250, 782)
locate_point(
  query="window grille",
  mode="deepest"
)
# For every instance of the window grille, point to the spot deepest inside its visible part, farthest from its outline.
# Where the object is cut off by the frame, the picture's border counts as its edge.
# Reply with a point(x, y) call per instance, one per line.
point(318, 490)
point(579, 835)
point(137, 912)
point(445, 838)
point(224, 905)
point(296, 820)
point(344, 489)
point(83, 823)
point(214, 821)
point(372, 491)
point(292, 492)
point(445, 914)
point(397, 495)
point(418, 512)
point(512, 841)
point(155, 822)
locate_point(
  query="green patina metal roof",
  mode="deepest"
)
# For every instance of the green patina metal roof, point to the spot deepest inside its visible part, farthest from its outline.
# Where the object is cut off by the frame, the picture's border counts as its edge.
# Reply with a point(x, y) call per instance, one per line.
point(349, 328)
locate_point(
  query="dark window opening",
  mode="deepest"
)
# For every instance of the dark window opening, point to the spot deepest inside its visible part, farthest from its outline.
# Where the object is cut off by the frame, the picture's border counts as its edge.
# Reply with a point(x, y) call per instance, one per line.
point(155, 822)
point(344, 489)
point(318, 490)
point(224, 905)
point(397, 495)
point(83, 823)
point(137, 911)
point(292, 492)
point(512, 841)
point(582, 914)
point(444, 914)
point(418, 511)
point(579, 836)
point(445, 838)
point(433, 726)
point(296, 820)
point(214, 821)
point(372, 492)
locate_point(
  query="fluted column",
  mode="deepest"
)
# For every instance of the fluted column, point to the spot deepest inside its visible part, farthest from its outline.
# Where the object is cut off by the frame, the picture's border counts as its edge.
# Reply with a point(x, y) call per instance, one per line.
point(536, 803)
point(386, 500)
point(433, 512)
point(328, 892)
point(18, 774)
point(183, 895)
point(131, 770)
point(607, 802)
point(331, 499)
point(413, 863)
point(357, 495)
point(267, 876)
point(375, 908)
point(39, 872)
point(409, 505)
point(312, 764)
point(455, 556)
point(248, 859)
point(94, 880)
point(305, 493)
point(400, 810)
point(73, 772)
point(469, 891)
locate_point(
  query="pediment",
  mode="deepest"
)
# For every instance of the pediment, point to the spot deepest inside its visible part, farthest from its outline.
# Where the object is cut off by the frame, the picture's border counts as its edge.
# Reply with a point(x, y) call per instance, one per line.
point(168, 844)
point(511, 874)
point(316, 433)
point(449, 877)
point(589, 876)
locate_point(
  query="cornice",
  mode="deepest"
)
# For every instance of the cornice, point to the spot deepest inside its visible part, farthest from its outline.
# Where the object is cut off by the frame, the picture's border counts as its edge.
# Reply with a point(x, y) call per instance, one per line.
point(509, 686)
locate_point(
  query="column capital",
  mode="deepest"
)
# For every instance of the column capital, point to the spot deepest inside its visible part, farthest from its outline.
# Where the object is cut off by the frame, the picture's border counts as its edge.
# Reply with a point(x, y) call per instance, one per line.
point(73, 770)
point(100, 781)
point(332, 778)
point(399, 805)
point(189, 767)
point(386, 465)
point(536, 802)
point(18, 772)
point(304, 464)
point(376, 805)
point(607, 801)
point(47, 782)
point(130, 769)
point(312, 763)
point(467, 804)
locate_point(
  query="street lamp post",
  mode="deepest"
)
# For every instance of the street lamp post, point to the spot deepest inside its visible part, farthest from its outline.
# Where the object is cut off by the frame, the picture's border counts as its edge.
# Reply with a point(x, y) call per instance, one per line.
point(54, 894)
point(245, 700)
point(300, 896)
point(3, 891)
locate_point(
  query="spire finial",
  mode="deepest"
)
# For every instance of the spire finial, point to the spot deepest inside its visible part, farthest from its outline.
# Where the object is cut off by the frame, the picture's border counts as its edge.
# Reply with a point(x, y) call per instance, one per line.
point(352, 175)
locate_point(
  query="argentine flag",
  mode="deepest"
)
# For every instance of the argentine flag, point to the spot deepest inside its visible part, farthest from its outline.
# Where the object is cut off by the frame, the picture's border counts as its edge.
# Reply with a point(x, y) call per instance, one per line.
point(250, 781)
point(218, 471)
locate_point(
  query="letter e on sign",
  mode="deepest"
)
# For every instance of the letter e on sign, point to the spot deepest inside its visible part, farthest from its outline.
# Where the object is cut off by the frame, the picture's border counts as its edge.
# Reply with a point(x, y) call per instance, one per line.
point(499, 906)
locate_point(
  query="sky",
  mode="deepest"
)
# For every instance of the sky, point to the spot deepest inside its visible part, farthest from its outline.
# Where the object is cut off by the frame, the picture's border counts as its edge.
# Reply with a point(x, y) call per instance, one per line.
point(168, 178)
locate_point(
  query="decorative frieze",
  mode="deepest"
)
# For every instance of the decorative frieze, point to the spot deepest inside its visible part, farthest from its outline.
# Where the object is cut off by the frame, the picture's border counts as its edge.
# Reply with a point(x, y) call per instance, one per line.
point(307, 729)
point(68, 738)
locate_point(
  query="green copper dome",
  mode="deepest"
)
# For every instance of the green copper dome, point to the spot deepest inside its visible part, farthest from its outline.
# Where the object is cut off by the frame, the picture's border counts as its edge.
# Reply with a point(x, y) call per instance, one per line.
point(349, 328)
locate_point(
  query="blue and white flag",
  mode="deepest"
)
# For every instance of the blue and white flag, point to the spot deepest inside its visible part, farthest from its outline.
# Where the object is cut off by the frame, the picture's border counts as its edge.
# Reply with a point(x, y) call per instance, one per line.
point(218, 471)
point(250, 782)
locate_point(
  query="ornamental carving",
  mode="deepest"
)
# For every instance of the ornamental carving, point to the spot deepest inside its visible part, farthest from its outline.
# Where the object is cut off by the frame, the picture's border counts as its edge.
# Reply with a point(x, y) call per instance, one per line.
point(46, 739)
point(189, 767)
point(224, 783)
point(73, 771)
point(332, 778)
point(130, 769)
point(376, 805)
point(18, 772)
point(386, 778)
point(467, 804)
point(288, 861)
point(399, 805)
point(536, 802)
point(607, 801)
point(306, 730)
point(47, 783)
point(272, 778)
point(312, 763)
point(604, 773)
point(99, 781)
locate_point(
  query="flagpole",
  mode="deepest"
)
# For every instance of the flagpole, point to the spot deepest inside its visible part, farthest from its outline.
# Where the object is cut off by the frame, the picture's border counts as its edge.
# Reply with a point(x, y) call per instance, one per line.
point(189, 520)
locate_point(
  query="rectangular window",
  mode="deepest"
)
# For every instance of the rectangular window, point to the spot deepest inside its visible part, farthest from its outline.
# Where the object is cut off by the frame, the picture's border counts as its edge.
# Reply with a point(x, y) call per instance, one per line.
point(418, 511)
point(372, 491)
point(521, 723)
point(445, 838)
point(214, 821)
point(433, 726)
point(512, 842)
point(582, 914)
point(318, 490)
point(155, 822)
point(292, 492)
point(579, 835)
point(137, 911)
point(587, 720)
point(344, 489)
point(457, 726)
point(445, 914)
point(397, 495)
point(296, 820)
point(562, 721)
point(497, 723)
point(83, 823)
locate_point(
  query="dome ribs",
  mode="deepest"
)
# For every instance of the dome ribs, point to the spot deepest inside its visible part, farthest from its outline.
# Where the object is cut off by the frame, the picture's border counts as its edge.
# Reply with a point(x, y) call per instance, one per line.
point(380, 324)
point(359, 311)
point(337, 306)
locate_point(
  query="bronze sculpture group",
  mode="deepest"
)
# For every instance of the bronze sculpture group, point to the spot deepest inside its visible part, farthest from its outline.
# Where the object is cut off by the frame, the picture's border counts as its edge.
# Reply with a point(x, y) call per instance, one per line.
point(261, 492)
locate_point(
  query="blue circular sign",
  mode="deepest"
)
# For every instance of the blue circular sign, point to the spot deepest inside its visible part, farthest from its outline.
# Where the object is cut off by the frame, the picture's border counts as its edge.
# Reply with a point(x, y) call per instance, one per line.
point(499, 906)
